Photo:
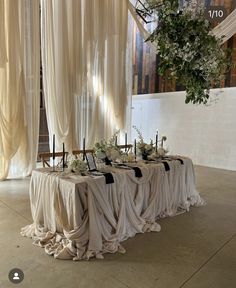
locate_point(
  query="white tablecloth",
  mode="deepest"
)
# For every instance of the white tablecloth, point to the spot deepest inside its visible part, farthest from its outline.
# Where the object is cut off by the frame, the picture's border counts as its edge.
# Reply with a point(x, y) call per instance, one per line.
point(78, 217)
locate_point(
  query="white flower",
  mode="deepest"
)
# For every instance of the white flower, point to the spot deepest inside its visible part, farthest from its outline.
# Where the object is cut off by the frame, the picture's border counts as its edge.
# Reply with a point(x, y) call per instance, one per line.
point(108, 148)
point(113, 154)
point(148, 147)
point(71, 157)
point(161, 152)
point(128, 158)
point(77, 165)
point(153, 156)
point(100, 154)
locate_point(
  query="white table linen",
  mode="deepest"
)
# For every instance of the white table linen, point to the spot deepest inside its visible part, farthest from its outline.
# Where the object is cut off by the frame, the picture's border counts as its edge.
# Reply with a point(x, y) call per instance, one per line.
point(79, 217)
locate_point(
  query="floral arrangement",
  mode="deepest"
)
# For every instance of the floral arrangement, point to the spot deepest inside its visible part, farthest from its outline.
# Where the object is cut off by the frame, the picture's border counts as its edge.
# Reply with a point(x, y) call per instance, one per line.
point(127, 158)
point(189, 53)
point(76, 165)
point(160, 153)
point(144, 149)
point(108, 149)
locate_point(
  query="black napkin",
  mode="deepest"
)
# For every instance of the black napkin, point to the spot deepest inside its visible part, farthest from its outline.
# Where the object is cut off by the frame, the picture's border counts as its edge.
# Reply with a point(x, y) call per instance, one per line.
point(137, 171)
point(107, 161)
point(109, 178)
point(167, 167)
point(180, 160)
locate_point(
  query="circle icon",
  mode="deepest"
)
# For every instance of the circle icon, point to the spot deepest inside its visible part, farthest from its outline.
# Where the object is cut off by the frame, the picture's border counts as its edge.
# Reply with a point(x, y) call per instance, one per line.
point(16, 275)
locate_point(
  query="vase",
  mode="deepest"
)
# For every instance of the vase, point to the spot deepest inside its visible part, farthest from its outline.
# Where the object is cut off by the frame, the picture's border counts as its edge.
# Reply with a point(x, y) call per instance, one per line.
point(107, 161)
point(145, 156)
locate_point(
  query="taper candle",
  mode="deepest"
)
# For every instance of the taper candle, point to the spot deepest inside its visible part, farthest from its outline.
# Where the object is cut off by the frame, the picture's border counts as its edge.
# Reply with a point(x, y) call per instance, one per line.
point(84, 148)
point(63, 156)
point(156, 141)
point(126, 142)
point(53, 152)
point(53, 147)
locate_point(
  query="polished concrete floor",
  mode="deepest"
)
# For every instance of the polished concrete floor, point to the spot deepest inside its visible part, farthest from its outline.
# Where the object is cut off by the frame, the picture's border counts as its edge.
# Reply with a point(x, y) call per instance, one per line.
point(195, 249)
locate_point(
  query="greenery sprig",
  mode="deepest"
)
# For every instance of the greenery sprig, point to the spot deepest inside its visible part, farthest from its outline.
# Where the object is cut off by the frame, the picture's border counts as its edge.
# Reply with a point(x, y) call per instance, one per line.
point(143, 148)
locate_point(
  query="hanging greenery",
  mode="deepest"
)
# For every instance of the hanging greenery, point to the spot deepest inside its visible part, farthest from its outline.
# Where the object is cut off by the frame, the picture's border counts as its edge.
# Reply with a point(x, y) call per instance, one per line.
point(189, 52)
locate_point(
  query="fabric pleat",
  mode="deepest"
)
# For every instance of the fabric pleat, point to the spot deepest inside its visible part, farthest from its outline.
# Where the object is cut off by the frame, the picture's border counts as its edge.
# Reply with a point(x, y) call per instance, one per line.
point(76, 217)
point(19, 87)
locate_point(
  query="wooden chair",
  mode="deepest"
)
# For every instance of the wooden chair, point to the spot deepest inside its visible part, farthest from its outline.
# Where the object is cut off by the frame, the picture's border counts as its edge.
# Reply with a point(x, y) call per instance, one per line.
point(45, 157)
point(78, 152)
point(126, 148)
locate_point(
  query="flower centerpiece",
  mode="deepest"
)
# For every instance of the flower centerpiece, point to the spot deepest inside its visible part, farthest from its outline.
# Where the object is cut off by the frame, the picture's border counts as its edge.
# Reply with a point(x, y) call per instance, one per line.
point(160, 151)
point(76, 164)
point(158, 154)
point(144, 149)
point(108, 150)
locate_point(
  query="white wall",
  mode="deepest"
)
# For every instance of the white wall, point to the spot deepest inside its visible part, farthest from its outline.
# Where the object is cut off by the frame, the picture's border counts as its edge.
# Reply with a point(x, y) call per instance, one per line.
point(207, 134)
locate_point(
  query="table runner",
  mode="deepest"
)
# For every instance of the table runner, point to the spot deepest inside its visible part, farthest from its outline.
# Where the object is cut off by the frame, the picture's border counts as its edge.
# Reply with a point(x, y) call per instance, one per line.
point(79, 217)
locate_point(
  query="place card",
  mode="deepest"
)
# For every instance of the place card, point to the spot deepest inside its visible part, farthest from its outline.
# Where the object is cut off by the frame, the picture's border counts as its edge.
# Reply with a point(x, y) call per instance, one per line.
point(91, 162)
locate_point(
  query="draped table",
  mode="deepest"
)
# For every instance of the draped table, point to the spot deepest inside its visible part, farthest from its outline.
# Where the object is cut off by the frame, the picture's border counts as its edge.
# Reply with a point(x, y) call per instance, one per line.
point(79, 217)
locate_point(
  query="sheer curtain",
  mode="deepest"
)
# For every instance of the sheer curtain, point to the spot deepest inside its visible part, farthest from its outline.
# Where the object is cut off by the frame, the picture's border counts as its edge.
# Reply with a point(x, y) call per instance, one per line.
point(57, 62)
point(3, 52)
point(84, 46)
point(19, 87)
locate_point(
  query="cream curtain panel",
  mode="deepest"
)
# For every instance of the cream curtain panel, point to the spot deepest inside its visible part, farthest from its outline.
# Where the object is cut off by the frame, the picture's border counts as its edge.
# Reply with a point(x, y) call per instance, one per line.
point(3, 52)
point(226, 28)
point(19, 86)
point(84, 45)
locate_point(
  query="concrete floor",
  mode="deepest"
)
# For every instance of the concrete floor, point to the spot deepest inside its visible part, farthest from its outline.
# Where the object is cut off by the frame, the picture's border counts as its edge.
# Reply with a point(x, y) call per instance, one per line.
point(195, 249)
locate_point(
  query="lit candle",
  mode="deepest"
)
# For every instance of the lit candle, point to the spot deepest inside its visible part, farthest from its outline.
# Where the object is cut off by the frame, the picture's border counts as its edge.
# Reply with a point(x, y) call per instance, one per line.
point(156, 141)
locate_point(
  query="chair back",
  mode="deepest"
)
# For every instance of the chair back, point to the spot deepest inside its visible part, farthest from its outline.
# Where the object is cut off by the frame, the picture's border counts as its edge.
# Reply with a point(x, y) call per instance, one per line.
point(127, 147)
point(81, 151)
point(45, 157)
